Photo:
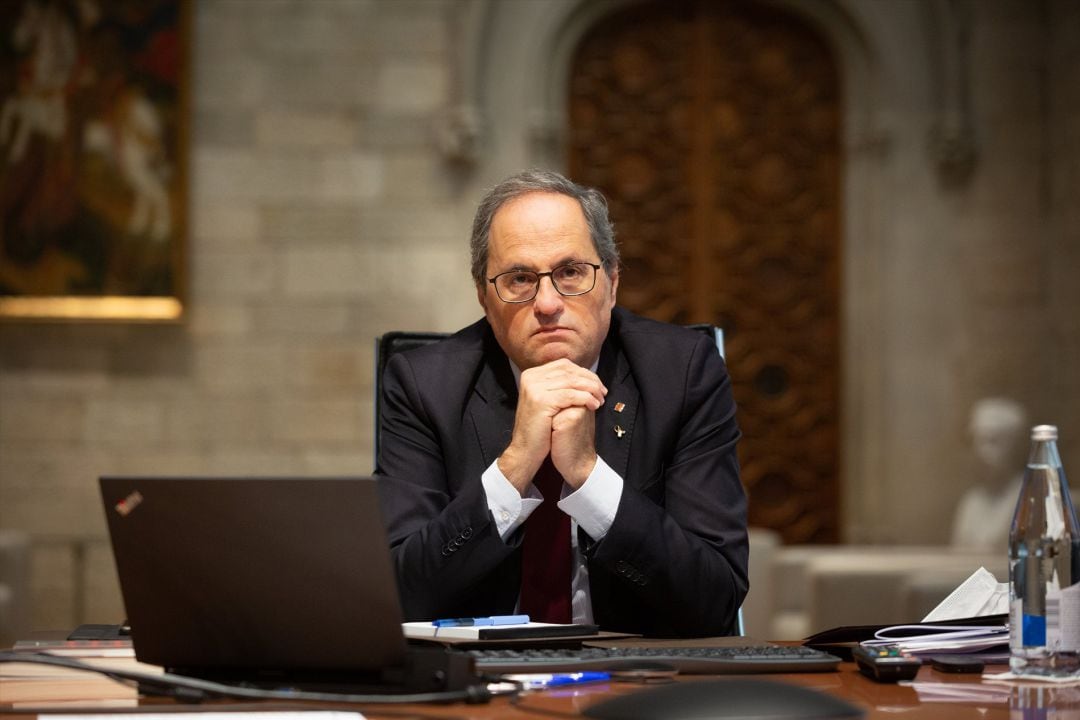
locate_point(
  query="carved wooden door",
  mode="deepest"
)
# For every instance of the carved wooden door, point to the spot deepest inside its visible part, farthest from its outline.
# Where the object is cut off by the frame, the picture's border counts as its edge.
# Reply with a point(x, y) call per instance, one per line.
point(713, 128)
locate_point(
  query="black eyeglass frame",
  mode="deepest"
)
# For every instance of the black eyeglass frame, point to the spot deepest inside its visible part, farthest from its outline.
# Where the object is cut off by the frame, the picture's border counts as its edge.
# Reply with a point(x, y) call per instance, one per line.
point(550, 274)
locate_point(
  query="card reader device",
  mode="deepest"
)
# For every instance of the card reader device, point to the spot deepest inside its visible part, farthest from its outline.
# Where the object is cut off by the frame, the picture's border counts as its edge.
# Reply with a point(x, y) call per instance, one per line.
point(885, 663)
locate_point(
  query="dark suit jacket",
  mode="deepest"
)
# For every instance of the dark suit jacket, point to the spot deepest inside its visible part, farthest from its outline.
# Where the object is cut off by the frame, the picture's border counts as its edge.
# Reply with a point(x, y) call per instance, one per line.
point(674, 561)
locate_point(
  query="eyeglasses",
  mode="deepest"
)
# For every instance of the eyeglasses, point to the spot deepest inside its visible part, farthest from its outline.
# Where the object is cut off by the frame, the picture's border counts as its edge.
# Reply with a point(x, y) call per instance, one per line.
point(518, 286)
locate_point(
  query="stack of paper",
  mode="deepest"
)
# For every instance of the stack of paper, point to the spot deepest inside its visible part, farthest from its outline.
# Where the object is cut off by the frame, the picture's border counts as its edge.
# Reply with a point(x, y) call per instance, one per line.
point(939, 639)
point(979, 595)
point(513, 631)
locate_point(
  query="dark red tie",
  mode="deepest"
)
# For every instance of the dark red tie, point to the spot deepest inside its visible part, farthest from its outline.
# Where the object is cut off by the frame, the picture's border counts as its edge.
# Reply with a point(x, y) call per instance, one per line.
point(545, 563)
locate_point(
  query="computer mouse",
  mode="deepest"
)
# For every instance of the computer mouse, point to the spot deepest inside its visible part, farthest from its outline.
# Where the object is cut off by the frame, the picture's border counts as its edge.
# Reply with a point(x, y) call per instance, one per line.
point(727, 699)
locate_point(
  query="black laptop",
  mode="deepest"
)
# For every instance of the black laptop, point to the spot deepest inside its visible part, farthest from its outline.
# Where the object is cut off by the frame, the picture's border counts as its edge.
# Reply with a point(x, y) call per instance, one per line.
point(256, 579)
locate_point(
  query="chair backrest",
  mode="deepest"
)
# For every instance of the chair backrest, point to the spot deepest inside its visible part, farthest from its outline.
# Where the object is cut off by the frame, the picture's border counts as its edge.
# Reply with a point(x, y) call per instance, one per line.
point(714, 333)
point(385, 347)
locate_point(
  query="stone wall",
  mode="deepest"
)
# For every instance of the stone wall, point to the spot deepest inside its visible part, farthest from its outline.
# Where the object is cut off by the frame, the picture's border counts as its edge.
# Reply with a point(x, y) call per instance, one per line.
point(978, 273)
point(321, 216)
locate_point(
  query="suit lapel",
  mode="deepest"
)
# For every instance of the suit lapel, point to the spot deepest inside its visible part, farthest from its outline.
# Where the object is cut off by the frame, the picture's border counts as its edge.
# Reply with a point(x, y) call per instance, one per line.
point(491, 406)
point(615, 418)
point(493, 402)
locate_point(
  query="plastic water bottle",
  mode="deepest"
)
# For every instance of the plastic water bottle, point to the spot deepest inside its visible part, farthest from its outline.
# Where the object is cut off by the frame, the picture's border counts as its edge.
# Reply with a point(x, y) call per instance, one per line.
point(1044, 567)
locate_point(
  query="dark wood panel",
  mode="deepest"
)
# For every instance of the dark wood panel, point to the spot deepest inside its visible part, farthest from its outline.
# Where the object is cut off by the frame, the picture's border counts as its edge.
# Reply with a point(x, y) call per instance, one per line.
point(713, 128)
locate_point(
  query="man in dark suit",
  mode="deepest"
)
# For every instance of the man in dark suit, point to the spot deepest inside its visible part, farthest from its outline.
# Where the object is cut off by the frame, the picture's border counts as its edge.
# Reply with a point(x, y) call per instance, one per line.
point(562, 456)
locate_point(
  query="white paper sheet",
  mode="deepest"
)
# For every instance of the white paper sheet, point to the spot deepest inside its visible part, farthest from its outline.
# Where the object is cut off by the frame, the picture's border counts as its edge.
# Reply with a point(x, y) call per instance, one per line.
point(315, 715)
point(979, 595)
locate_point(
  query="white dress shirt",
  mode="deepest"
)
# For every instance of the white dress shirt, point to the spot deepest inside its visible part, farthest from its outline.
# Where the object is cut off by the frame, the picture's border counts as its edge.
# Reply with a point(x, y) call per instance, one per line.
point(591, 507)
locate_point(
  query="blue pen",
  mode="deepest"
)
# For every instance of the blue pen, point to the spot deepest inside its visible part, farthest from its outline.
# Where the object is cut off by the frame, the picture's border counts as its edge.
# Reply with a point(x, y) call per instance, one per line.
point(509, 619)
point(480, 621)
point(537, 681)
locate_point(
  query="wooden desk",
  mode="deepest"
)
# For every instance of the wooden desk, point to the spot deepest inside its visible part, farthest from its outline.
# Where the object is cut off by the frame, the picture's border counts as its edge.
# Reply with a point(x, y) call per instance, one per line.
point(924, 699)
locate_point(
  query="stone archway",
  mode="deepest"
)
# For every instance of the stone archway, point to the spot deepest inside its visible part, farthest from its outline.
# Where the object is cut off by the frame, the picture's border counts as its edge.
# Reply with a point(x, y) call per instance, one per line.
point(515, 81)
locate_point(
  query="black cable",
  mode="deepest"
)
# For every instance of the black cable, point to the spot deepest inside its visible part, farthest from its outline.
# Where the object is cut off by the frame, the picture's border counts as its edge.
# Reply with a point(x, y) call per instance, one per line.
point(262, 708)
point(193, 690)
point(259, 707)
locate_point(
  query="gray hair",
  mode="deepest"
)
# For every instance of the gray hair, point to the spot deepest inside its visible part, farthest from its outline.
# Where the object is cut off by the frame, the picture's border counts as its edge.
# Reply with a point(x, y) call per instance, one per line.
point(593, 206)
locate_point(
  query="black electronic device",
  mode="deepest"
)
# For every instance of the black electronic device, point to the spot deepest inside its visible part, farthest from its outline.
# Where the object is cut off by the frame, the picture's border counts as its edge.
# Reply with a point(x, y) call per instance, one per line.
point(723, 660)
point(885, 663)
point(99, 632)
point(957, 663)
point(269, 581)
point(721, 699)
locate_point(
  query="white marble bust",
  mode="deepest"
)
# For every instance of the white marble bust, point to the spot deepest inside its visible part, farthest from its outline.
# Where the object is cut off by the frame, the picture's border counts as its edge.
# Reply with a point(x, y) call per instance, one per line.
point(998, 429)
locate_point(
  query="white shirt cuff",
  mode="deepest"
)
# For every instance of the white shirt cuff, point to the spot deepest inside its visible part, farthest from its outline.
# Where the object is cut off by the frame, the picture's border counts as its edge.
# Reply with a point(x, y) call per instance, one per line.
point(594, 504)
point(507, 506)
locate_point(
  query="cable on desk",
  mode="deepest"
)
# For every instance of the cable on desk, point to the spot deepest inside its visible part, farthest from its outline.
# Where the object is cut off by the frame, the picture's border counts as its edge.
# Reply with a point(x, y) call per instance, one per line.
point(259, 707)
point(194, 690)
point(67, 708)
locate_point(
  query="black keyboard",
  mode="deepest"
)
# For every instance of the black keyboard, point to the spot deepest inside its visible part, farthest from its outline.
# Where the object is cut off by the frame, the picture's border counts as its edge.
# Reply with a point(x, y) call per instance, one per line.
point(702, 661)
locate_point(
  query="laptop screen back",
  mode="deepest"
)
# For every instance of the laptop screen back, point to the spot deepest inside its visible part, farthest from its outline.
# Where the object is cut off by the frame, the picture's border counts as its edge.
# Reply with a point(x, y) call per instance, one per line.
point(257, 573)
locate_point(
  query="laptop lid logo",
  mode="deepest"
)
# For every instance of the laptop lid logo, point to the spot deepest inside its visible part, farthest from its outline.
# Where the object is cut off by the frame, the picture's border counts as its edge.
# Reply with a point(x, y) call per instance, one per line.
point(126, 506)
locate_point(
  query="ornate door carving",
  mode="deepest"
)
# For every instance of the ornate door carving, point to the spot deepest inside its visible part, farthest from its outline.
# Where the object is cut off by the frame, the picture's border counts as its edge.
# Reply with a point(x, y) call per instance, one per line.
point(713, 128)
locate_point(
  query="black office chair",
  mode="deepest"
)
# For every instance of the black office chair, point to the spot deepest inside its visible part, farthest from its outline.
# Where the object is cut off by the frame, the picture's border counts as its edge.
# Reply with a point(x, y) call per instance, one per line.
point(714, 333)
point(386, 346)
point(399, 341)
